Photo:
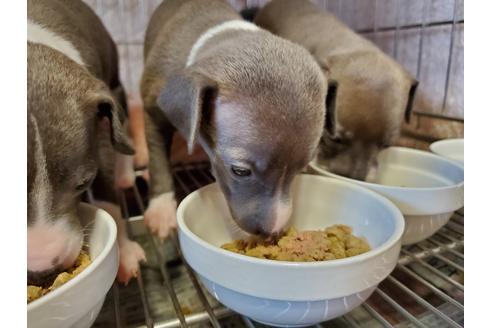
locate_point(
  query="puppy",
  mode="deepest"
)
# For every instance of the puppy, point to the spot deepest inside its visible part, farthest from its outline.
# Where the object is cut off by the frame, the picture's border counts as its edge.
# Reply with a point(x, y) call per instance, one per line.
point(374, 94)
point(74, 122)
point(253, 101)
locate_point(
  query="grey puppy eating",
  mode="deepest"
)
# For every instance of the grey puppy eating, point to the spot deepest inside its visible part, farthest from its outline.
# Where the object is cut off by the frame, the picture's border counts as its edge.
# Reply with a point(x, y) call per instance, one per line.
point(375, 93)
point(253, 101)
point(75, 123)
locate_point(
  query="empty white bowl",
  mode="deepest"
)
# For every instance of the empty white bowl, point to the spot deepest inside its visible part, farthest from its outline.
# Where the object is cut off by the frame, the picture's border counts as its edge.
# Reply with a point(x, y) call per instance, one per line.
point(425, 187)
point(453, 149)
point(78, 302)
point(290, 294)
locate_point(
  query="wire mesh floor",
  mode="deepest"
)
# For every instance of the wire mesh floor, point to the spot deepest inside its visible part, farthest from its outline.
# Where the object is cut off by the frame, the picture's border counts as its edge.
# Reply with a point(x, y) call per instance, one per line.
point(425, 290)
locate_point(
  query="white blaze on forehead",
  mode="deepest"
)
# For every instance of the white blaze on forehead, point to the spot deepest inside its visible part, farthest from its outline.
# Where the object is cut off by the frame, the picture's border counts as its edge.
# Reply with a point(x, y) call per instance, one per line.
point(41, 190)
point(236, 24)
point(37, 33)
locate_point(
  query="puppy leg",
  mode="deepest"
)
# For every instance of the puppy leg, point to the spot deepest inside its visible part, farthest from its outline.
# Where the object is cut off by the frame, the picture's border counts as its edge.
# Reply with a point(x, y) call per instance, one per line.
point(131, 253)
point(160, 216)
point(124, 172)
point(105, 193)
point(137, 128)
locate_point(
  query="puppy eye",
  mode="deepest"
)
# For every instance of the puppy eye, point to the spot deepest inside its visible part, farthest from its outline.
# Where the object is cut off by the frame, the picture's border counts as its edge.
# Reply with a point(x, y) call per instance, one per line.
point(240, 171)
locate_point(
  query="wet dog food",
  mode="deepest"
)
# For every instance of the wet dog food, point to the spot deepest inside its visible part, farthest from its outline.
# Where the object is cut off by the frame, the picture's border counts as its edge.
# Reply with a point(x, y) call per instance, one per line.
point(35, 292)
point(335, 242)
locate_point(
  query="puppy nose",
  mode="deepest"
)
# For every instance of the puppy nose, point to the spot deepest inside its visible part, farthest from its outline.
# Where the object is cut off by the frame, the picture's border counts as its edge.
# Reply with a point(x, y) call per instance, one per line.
point(51, 246)
point(250, 225)
point(263, 232)
point(42, 278)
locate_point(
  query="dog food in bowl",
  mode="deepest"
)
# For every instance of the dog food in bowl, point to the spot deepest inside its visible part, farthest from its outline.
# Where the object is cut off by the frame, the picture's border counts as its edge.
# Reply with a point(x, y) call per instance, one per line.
point(426, 188)
point(293, 294)
point(335, 242)
point(35, 292)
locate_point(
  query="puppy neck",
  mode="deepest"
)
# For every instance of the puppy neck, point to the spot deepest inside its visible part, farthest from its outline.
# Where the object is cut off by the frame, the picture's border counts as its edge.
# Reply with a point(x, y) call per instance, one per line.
point(236, 24)
point(37, 33)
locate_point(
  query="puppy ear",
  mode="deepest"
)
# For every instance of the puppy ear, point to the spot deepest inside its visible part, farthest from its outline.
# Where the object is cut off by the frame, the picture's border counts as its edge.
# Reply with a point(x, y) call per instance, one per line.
point(108, 108)
point(184, 100)
point(411, 99)
point(330, 104)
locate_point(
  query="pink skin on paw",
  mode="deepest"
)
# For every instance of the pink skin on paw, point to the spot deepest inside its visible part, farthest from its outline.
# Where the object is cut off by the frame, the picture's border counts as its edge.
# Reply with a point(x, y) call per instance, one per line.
point(160, 216)
point(131, 253)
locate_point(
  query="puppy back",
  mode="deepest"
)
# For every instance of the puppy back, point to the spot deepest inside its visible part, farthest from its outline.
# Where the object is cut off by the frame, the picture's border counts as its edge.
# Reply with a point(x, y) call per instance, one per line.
point(173, 29)
point(75, 22)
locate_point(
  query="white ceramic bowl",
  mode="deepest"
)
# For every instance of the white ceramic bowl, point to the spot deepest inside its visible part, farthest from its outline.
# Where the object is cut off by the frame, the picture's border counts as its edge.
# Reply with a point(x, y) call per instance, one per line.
point(290, 294)
point(453, 149)
point(425, 187)
point(78, 302)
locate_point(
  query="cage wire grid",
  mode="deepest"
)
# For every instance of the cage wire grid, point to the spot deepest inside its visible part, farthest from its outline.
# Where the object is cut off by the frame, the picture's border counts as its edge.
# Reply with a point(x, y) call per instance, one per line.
point(426, 288)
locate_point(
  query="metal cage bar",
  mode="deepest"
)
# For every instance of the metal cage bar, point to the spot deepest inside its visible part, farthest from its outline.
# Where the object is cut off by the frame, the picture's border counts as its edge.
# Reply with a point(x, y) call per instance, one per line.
point(162, 266)
point(434, 270)
point(424, 303)
point(192, 176)
point(399, 308)
point(116, 303)
point(141, 289)
point(434, 289)
point(421, 37)
point(377, 316)
point(450, 56)
point(396, 39)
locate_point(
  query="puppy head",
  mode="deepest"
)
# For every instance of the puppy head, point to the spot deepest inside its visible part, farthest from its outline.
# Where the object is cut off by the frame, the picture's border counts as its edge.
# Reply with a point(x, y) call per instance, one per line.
point(374, 96)
point(258, 111)
point(67, 110)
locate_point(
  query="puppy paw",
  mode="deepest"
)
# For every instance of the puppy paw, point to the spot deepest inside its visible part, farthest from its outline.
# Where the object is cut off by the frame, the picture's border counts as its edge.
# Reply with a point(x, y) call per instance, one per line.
point(160, 216)
point(131, 253)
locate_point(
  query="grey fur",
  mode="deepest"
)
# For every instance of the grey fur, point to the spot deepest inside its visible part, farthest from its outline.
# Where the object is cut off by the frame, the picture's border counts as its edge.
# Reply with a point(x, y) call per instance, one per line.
point(74, 107)
point(373, 89)
point(250, 99)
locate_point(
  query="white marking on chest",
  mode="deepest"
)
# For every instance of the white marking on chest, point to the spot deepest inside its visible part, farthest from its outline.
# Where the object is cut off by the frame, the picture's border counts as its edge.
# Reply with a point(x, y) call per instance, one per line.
point(39, 34)
point(236, 24)
point(41, 191)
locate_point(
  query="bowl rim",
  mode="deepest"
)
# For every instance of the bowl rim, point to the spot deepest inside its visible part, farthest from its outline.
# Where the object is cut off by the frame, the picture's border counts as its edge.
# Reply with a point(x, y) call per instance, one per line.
point(314, 165)
point(443, 142)
point(374, 252)
point(92, 266)
point(448, 140)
